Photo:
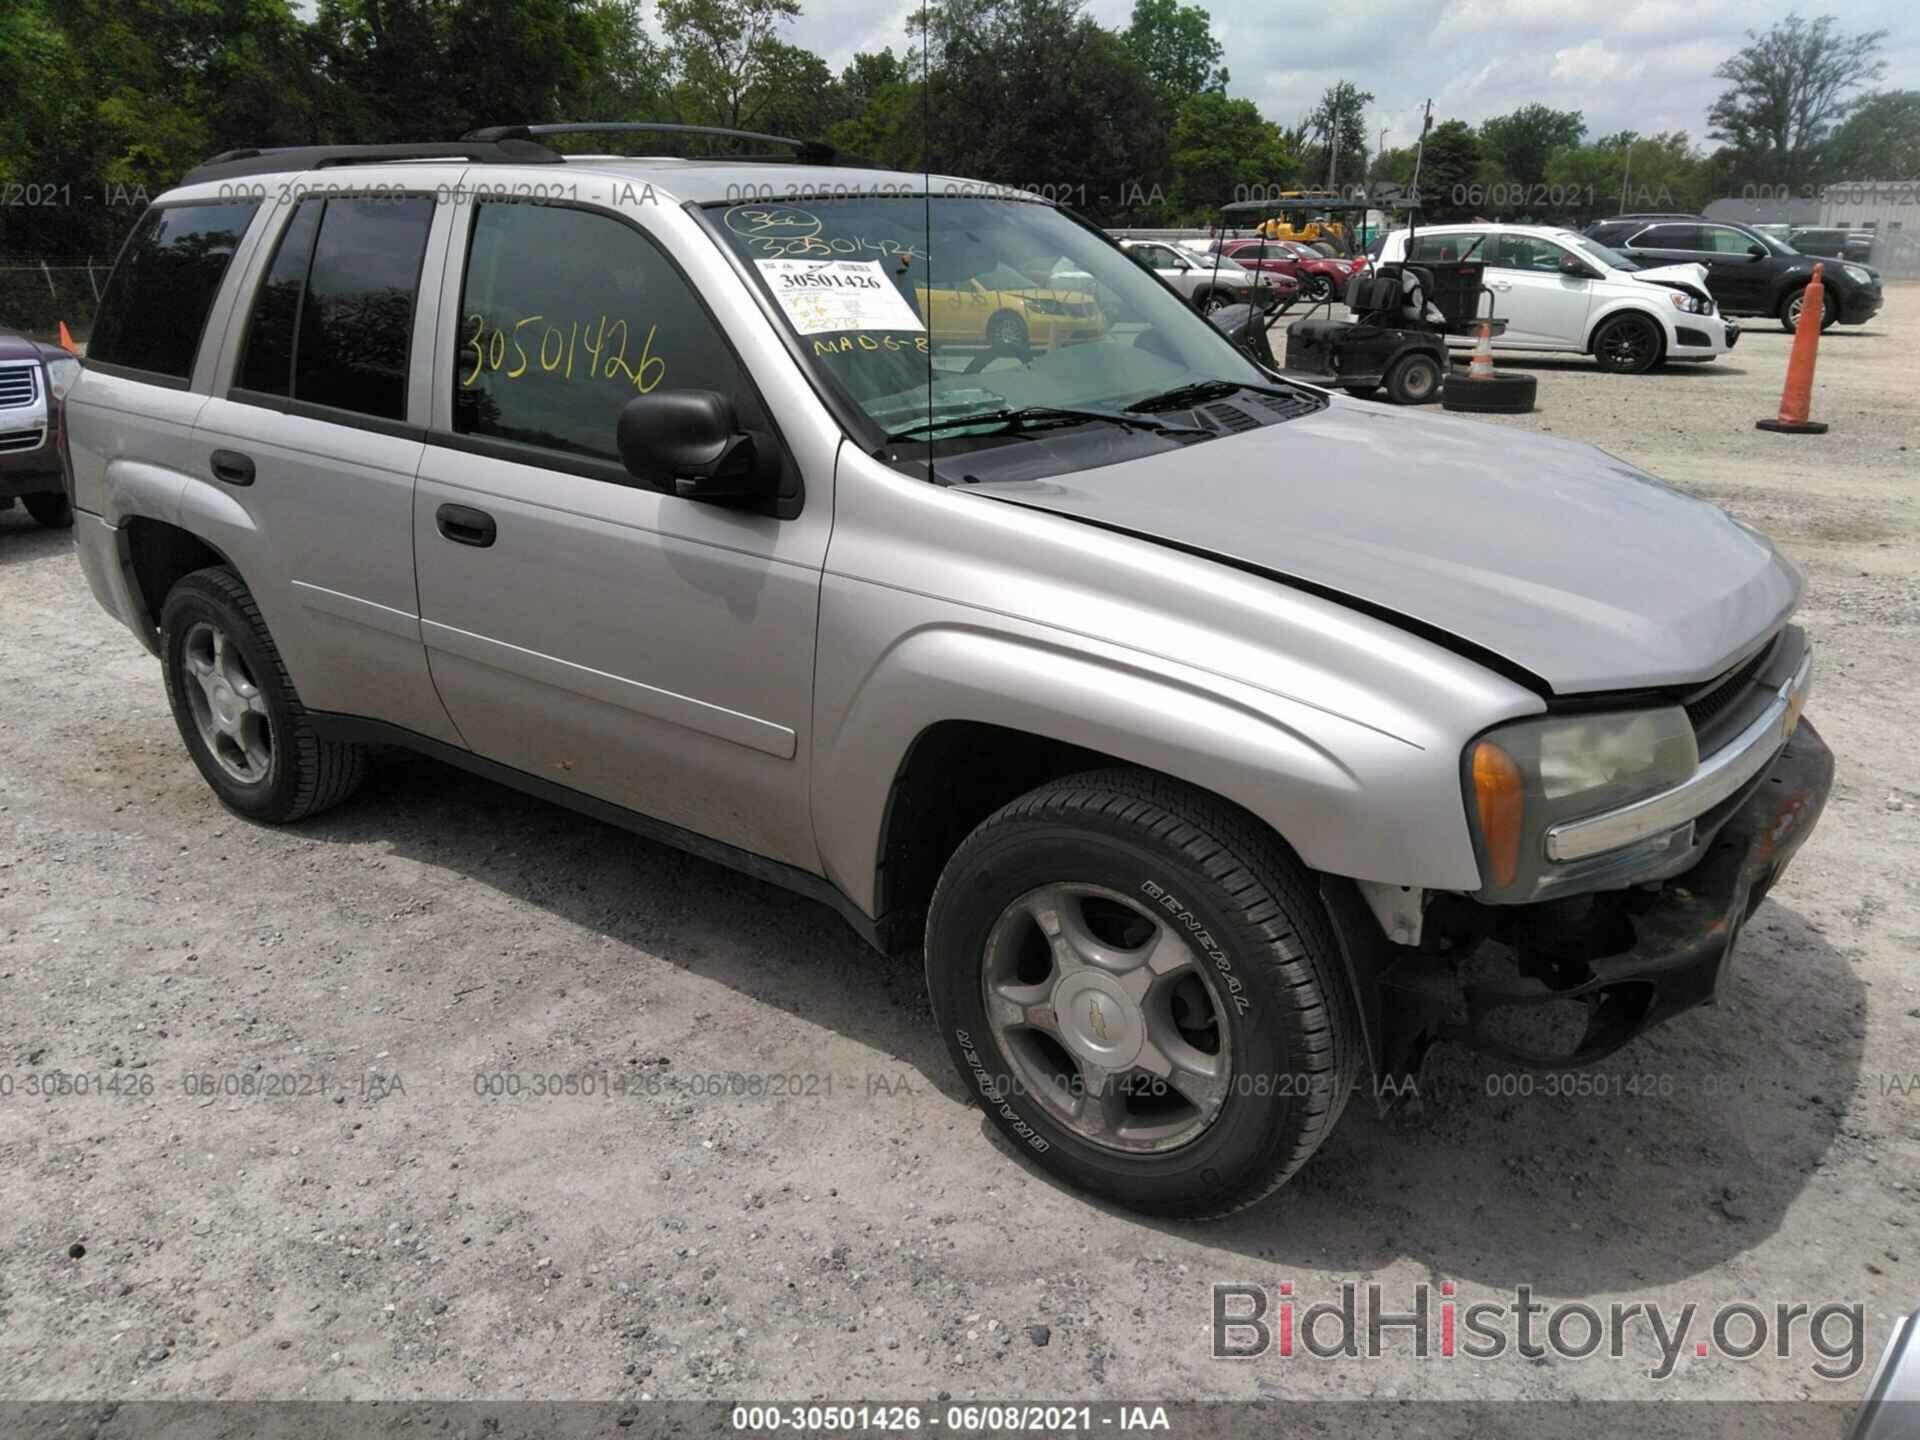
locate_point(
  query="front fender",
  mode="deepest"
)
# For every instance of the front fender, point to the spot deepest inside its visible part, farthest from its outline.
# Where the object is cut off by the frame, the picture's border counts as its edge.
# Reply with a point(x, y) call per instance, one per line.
point(1350, 799)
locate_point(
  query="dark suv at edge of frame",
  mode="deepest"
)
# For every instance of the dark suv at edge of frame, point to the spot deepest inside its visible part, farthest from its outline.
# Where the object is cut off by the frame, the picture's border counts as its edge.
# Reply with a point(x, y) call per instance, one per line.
point(1748, 272)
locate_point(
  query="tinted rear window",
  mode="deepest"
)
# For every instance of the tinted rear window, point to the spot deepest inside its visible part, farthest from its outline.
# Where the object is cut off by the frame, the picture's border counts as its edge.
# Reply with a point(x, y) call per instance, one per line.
point(266, 363)
point(156, 304)
point(356, 321)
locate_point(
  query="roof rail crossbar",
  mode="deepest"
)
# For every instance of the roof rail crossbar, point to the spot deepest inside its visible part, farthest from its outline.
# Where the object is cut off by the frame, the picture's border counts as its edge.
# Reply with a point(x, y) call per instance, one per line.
point(811, 152)
point(507, 150)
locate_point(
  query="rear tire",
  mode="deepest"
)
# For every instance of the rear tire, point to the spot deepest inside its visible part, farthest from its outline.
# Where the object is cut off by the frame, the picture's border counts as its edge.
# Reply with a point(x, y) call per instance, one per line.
point(237, 710)
point(1414, 379)
point(1248, 1040)
point(50, 508)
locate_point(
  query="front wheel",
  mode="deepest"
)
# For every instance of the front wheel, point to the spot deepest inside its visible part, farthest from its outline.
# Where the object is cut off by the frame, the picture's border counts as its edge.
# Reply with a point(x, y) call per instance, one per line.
point(1629, 345)
point(1318, 288)
point(1141, 985)
point(50, 508)
point(1796, 302)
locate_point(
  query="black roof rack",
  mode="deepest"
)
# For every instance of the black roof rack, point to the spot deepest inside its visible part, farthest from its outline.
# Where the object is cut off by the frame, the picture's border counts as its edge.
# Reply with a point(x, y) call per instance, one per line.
point(505, 150)
point(807, 152)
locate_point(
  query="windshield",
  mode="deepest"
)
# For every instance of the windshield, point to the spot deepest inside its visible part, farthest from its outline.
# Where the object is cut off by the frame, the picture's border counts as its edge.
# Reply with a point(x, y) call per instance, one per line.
point(1604, 254)
point(921, 313)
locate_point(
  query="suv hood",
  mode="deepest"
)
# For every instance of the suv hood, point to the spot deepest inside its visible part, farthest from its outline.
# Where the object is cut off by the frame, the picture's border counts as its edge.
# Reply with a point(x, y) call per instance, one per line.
point(1551, 554)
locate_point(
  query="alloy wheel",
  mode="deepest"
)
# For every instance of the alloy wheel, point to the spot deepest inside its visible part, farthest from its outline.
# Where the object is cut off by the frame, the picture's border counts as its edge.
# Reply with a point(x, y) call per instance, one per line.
point(1108, 1018)
point(229, 710)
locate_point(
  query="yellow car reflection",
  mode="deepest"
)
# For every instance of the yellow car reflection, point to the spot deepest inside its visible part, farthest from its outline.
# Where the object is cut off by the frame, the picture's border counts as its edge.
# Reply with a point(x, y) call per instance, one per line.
point(1007, 311)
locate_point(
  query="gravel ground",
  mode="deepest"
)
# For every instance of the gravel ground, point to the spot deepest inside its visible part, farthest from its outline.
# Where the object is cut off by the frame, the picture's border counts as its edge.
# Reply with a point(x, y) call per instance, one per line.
point(387, 1231)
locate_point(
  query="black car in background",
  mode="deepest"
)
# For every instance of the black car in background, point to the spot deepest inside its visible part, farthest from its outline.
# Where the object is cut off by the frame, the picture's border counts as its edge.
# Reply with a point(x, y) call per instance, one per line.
point(1834, 244)
point(1748, 272)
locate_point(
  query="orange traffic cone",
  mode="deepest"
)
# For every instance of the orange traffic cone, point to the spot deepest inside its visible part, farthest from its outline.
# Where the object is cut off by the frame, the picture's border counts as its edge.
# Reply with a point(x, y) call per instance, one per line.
point(1482, 366)
point(1796, 397)
point(66, 340)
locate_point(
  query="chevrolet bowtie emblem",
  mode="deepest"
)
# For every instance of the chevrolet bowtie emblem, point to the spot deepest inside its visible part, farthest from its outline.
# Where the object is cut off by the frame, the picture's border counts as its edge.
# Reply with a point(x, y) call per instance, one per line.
point(1096, 1021)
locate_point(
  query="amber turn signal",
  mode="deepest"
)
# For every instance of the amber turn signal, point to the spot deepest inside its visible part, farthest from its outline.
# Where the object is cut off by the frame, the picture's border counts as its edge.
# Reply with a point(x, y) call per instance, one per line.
point(1500, 796)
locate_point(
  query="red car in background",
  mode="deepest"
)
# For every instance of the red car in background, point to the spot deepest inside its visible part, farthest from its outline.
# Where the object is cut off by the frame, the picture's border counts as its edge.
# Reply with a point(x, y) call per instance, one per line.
point(1321, 276)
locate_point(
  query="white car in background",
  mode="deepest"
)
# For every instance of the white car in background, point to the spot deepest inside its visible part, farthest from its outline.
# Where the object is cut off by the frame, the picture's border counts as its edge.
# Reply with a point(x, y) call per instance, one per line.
point(1559, 290)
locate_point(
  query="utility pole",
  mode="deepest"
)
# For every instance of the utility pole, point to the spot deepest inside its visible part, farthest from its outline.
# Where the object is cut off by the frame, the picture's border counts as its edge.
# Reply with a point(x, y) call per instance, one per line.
point(1333, 123)
point(1626, 175)
point(1419, 154)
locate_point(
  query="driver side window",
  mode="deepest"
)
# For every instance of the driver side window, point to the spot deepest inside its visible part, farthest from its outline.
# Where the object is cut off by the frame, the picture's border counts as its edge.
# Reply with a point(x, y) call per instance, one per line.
point(565, 315)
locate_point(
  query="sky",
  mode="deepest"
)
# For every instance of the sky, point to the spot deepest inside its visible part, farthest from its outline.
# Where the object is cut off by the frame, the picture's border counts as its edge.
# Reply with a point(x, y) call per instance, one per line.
point(1644, 65)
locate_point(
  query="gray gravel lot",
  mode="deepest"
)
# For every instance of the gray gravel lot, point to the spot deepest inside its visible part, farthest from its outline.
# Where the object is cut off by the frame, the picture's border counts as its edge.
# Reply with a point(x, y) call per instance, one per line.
point(389, 1230)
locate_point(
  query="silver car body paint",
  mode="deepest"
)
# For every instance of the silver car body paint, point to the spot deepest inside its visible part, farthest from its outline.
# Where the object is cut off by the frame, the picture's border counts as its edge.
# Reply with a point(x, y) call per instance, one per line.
point(761, 681)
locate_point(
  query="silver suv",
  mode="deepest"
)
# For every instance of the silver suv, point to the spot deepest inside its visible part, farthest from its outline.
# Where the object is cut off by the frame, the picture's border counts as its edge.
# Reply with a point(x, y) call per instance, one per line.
point(1199, 726)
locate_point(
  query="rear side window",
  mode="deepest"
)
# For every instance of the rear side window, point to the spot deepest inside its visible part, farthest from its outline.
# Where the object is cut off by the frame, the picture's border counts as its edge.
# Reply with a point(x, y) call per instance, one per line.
point(1671, 237)
point(334, 317)
point(266, 359)
point(1428, 249)
point(157, 300)
point(565, 315)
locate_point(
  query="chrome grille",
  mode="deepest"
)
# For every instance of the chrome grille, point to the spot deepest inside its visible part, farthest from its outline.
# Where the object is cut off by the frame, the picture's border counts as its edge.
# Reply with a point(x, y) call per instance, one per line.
point(17, 387)
point(1716, 705)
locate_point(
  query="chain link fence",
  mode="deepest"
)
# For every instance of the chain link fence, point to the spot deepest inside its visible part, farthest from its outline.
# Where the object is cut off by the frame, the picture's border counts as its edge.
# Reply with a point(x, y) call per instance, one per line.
point(37, 293)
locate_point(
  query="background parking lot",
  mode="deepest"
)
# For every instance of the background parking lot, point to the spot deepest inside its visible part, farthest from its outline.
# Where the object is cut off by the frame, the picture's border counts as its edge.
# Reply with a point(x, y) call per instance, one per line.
point(305, 1112)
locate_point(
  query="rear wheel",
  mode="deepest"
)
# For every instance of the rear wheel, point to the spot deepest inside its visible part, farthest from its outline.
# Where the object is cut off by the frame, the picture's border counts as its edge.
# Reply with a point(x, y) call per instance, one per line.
point(1141, 985)
point(50, 508)
point(1413, 380)
point(237, 709)
point(1629, 345)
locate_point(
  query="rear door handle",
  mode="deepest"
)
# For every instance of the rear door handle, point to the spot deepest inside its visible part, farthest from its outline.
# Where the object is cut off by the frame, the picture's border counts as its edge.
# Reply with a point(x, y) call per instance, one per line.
point(465, 525)
point(232, 467)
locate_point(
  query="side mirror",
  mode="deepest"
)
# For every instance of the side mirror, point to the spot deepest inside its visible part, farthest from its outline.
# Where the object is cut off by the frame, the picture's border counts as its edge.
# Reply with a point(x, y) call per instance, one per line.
point(1756, 252)
point(1246, 327)
point(1574, 269)
point(688, 443)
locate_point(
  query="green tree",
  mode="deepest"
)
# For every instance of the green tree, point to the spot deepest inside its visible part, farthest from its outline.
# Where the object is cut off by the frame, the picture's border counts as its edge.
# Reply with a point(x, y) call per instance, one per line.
point(1338, 127)
point(1448, 170)
point(722, 50)
point(1518, 145)
point(1632, 172)
point(1174, 46)
point(1879, 141)
point(1787, 89)
point(1002, 110)
point(1223, 150)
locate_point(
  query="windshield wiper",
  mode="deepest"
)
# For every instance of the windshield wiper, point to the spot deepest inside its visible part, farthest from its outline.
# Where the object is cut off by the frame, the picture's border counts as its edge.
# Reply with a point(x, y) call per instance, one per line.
point(1056, 414)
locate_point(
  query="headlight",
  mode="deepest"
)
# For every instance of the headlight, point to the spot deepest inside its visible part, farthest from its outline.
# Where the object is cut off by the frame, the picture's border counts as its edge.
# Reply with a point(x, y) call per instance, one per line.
point(1857, 275)
point(1692, 304)
point(60, 376)
point(1044, 307)
point(1523, 778)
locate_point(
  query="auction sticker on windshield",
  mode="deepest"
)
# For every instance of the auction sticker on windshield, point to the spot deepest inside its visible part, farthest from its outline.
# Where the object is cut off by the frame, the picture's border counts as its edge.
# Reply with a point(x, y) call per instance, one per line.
point(828, 295)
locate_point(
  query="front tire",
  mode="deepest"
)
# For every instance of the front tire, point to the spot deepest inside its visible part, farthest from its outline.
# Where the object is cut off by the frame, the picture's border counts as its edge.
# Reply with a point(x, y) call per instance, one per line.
point(50, 508)
point(1790, 311)
point(1318, 289)
point(1142, 985)
point(237, 710)
point(1629, 345)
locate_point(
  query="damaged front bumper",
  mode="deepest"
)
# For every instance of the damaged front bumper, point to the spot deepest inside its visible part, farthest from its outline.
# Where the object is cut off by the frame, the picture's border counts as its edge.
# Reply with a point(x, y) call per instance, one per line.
point(1628, 958)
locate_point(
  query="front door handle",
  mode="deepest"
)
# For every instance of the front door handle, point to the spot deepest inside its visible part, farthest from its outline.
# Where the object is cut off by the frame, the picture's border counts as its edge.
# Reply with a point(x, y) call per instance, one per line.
point(465, 525)
point(232, 467)
point(1501, 285)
